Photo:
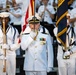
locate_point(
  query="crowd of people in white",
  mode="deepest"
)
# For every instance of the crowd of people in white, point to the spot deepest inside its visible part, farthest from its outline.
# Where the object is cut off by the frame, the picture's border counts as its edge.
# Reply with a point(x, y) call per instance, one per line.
point(47, 10)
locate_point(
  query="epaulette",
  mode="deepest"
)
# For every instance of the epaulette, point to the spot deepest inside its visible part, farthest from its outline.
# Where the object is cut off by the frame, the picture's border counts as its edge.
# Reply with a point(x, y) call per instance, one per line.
point(25, 33)
point(44, 31)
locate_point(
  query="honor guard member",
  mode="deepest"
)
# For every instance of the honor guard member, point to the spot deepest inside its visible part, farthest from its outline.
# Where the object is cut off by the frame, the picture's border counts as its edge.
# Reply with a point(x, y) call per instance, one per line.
point(38, 48)
point(10, 46)
point(67, 58)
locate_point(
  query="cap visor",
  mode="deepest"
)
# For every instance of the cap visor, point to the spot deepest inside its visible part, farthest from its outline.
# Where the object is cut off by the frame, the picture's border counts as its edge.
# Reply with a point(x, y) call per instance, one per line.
point(33, 22)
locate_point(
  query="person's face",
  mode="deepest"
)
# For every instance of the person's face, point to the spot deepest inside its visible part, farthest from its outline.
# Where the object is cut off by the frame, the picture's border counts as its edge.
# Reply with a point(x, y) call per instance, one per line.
point(34, 26)
point(45, 2)
point(5, 19)
point(15, 6)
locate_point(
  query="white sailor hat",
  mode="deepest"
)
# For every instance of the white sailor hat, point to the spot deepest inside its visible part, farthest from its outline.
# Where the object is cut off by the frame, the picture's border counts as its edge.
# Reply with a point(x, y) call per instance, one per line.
point(34, 19)
point(4, 14)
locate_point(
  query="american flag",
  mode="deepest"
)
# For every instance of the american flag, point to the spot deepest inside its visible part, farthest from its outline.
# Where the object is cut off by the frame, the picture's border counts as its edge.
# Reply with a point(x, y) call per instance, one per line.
point(30, 11)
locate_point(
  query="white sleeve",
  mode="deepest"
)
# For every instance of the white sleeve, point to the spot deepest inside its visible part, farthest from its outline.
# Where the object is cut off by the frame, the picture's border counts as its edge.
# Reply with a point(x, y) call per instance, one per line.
point(50, 52)
point(40, 10)
point(19, 1)
point(73, 49)
point(15, 45)
point(25, 41)
point(51, 9)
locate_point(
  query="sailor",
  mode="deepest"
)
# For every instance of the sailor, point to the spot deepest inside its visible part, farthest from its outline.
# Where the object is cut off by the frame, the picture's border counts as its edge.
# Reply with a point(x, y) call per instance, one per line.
point(66, 57)
point(38, 48)
point(8, 44)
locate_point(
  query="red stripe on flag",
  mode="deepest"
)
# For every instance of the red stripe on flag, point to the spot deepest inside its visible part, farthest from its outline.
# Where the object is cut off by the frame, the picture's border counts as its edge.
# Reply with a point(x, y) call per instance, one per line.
point(26, 16)
point(27, 13)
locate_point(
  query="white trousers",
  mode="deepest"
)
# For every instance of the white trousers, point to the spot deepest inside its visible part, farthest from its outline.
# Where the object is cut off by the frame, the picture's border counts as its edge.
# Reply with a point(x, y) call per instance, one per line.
point(10, 66)
point(67, 66)
point(35, 73)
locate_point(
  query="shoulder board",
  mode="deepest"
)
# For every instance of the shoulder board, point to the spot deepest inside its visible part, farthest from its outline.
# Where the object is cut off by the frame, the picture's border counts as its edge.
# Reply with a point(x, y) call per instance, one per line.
point(45, 33)
point(25, 33)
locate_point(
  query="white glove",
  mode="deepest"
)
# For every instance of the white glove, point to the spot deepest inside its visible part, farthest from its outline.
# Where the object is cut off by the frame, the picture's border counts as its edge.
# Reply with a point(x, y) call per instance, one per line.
point(5, 46)
point(49, 69)
point(67, 53)
point(33, 34)
point(14, 47)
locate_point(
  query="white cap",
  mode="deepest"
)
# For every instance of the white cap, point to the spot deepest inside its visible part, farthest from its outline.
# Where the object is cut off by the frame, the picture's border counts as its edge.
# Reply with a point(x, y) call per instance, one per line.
point(36, 15)
point(4, 14)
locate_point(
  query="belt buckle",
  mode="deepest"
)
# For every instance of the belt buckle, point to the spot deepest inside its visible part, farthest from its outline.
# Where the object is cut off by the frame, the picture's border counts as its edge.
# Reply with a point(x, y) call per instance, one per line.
point(66, 57)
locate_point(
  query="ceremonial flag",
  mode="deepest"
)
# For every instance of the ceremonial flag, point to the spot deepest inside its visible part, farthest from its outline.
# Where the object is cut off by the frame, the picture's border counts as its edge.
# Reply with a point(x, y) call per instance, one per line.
point(62, 21)
point(30, 11)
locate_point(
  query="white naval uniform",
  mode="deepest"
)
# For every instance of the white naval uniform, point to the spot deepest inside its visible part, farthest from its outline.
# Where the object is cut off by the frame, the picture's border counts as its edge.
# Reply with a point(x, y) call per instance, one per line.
point(16, 20)
point(51, 2)
point(73, 15)
point(24, 5)
point(10, 54)
point(38, 55)
point(67, 66)
point(3, 3)
point(46, 15)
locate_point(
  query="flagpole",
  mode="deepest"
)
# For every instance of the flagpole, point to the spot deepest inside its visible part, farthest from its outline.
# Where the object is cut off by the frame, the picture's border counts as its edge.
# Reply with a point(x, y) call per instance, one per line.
point(34, 13)
point(4, 41)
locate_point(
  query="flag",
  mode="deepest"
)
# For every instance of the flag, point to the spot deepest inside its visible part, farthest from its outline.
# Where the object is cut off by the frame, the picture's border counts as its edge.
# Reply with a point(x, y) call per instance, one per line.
point(62, 21)
point(30, 11)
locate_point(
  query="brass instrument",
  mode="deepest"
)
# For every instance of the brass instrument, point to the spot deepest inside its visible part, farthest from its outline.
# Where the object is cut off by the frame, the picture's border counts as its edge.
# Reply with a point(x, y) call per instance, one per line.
point(7, 4)
point(4, 41)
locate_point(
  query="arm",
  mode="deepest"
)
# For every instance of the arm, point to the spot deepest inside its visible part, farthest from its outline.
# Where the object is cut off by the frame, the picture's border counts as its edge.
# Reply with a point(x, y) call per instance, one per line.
point(72, 20)
point(50, 52)
point(16, 15)
point(50, 14)
point(26, 40)
point(73, 49)
point(41, 11)
point(14, 46)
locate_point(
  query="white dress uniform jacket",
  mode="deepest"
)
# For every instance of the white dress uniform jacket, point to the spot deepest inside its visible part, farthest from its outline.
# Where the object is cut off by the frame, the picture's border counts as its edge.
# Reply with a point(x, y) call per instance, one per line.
point(3, 3)
point(51, 2)
point(67, 66)
point(73, 15)
point(11, 38)
point(46, 15)
point(14, 19)
point(24, 5)
point(38, 53)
